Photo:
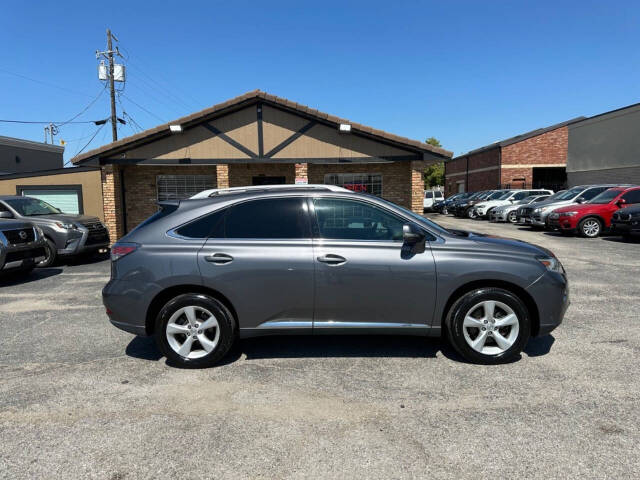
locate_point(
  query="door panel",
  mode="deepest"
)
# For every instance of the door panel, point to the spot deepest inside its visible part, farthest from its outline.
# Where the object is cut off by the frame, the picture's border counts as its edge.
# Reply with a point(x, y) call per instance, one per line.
point(266, 281)
point(365, 277)
point(374, 285)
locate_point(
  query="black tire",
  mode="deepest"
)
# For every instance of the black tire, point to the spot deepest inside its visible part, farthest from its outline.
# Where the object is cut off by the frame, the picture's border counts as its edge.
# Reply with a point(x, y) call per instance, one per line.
point(590, 227)
point(226, 322)
point(460, 309)
point(51, 254)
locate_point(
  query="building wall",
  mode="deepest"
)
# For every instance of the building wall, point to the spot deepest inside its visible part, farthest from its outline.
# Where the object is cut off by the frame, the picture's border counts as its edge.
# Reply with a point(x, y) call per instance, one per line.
point(606, 175)
point(609, 143)
point(483, 168)
point(396, 178)
point(546, 150)
point(140, 188)
point(19, 156)
point(89, 181)
point(242, 174)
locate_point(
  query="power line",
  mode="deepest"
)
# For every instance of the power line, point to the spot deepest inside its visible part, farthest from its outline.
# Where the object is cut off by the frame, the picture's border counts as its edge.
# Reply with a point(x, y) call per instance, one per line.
point(84, 109)
point(47, 122)
point(45, 83)
point(144, 109)
point(85, 146)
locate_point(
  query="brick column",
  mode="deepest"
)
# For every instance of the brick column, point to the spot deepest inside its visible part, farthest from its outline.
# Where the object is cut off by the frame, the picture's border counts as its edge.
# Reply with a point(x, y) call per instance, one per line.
point(222, 174)
point(417, 186)
point(112, 201)
point(302, 171)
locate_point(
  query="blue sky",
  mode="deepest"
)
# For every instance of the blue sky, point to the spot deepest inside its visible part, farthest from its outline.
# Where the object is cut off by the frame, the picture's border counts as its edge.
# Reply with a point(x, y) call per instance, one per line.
point(468, 73)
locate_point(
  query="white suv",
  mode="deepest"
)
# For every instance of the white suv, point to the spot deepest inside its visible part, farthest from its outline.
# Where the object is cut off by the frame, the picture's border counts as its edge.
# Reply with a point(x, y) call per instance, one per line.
point(430, 197)
point(483, 209)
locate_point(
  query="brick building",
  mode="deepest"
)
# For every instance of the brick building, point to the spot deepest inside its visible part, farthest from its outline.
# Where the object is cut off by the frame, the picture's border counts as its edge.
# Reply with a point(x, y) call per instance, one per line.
point(536, 159)
point(255, 139)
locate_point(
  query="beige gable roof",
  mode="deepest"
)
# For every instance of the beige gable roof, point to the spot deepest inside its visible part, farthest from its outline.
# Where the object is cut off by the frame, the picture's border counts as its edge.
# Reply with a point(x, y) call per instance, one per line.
point(158, 143)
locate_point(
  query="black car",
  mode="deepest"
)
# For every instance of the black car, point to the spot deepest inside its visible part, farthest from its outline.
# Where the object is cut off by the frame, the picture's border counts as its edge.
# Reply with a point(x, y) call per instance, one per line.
point(443, 207)
point(626, 222)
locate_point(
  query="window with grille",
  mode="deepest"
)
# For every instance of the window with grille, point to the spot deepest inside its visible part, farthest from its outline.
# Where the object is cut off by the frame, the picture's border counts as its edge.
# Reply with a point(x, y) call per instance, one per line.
point(177, 187)
point(358, 182)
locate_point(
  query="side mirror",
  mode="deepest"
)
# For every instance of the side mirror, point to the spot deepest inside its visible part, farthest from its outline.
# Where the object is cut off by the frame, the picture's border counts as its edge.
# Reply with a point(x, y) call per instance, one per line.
point(411, 235)
point(5, 214)
point(580, 200)
point(621, 203)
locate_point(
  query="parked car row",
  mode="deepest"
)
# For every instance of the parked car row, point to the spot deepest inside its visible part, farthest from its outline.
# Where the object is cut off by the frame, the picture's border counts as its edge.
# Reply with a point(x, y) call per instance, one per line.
point(34, 233)
point(586, 210)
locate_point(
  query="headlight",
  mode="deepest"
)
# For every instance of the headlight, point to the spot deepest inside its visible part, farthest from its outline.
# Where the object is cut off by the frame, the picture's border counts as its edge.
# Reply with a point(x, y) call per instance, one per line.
point(568, 214)
point(554, 215)
point(39, 231)
point(552, 264)
point(65, 226)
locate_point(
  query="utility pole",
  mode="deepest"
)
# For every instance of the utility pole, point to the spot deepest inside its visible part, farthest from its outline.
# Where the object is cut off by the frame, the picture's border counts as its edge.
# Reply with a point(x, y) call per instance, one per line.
point(108, 54)
point(114, 126)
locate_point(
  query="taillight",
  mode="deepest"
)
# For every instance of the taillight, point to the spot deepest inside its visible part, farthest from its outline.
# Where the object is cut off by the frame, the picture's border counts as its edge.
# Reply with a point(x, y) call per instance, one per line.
point(119, 250)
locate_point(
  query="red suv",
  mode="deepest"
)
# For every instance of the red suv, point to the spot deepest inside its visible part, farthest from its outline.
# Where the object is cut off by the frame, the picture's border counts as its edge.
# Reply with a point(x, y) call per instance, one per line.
point(591, 218)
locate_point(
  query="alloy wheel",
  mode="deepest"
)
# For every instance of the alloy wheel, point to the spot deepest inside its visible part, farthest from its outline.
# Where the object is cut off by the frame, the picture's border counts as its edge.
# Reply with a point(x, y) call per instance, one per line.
point(193, 332)
point(512, 217)
point(471, 213)
point(491, 327)
point(591, 227)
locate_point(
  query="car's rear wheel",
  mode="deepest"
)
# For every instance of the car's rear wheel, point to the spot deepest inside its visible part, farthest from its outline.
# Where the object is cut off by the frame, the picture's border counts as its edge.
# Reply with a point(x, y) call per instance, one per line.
point(512, 217)
point(488, 326)
point(195, 330)
point(590, 227)
point(50, 254)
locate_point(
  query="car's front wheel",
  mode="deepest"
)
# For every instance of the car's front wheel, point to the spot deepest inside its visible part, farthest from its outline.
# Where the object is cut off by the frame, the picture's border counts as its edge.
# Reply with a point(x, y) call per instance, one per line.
point(488, 326)
point(512, 217)
point(194, 330)
point(50, 254)
point(471, 213)
point(590, 227)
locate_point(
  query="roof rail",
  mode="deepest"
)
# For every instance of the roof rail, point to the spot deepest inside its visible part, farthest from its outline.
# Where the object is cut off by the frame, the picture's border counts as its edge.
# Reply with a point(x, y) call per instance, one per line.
point(265, 188)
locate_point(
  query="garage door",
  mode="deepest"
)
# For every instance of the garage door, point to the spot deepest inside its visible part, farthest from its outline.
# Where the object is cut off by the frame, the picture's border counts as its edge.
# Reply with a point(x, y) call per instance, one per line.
point(68, 201)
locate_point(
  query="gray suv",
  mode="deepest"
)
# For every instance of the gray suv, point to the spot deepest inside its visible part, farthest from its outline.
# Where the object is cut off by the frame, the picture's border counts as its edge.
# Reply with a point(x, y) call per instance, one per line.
point(200, 273)
point(21, 245)
point(65, 234)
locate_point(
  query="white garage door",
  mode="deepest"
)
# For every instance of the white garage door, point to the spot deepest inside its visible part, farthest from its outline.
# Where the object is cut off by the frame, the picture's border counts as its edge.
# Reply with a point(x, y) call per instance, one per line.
point(65, 200)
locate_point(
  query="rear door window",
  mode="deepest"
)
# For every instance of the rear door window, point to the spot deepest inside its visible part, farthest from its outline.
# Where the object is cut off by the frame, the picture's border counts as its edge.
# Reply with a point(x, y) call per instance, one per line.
point(282, 218)
point(632, 197)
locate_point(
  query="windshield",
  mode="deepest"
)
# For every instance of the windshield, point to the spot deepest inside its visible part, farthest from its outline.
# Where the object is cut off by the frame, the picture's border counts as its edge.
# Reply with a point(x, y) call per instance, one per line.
point(495, 195)
point(28, 206)
point(554, 196)
point(569, 194)
point(606, 196)
point(503, 196)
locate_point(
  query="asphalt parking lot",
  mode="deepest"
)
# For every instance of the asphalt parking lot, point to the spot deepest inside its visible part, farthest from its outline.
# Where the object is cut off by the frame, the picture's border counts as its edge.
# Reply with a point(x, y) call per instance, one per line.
point(81, 399)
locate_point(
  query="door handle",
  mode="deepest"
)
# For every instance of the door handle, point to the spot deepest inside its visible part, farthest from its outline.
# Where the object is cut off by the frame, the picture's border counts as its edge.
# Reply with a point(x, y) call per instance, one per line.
point(332, 259)
point(219, 258)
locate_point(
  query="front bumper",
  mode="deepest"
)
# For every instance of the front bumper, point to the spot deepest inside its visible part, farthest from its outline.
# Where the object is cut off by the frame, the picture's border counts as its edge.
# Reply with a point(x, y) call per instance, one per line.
point(499, 216)
point(625, 227)
point(551, 295)
point(19, 259)
point(567, 224)
point(82, 240)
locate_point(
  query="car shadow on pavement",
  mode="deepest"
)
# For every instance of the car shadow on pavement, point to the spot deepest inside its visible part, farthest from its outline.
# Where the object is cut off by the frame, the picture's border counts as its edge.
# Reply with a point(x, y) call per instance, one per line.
point(329, 346)
point(143, 348)
point(635, 239)
point(539, 346)
point(33, 276)
point(341, 346)
point(85, 259)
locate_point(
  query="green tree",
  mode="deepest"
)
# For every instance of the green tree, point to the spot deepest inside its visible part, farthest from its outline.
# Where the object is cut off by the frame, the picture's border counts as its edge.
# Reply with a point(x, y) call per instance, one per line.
point(434, 174)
